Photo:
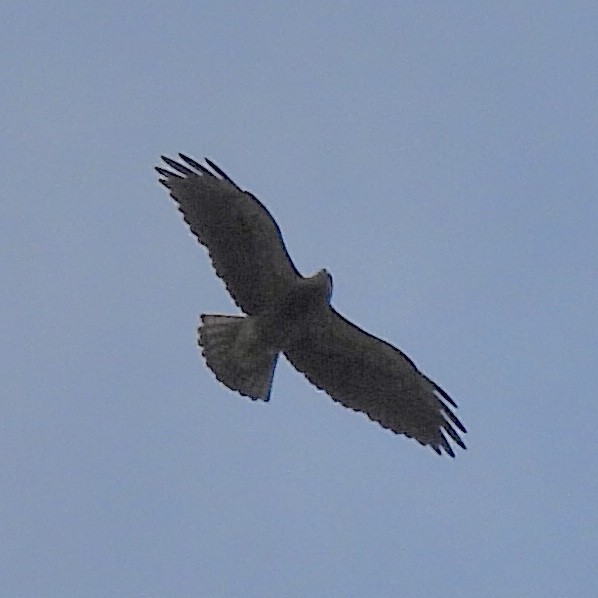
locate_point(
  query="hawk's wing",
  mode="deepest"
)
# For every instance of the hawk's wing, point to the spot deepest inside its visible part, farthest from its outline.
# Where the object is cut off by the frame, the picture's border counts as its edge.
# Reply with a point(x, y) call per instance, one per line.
point(369, 375)
point(242, 238)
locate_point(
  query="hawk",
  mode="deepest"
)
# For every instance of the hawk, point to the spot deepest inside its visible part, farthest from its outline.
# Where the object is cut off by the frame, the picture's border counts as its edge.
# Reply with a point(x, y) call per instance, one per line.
point(285, 312)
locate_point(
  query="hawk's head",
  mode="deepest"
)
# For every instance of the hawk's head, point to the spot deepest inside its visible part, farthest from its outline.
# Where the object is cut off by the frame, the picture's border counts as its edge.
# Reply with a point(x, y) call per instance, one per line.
point(323, 280)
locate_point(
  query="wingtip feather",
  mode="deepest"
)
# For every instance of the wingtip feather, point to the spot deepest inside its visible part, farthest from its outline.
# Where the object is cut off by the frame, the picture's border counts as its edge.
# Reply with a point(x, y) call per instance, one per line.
point(167, 173)
point(221, 172)
point(446, 446)
point(455, 437)
point(445, 395)
point(194, 164)
point(178, 166)
point(455, 420)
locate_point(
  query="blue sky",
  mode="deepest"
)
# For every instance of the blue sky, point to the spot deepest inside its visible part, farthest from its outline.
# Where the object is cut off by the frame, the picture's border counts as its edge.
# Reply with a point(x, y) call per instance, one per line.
point(438, 158)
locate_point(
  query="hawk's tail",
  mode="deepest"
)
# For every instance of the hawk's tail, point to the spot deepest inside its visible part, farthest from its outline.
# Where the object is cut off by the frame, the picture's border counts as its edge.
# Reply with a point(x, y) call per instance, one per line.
point(233, 351)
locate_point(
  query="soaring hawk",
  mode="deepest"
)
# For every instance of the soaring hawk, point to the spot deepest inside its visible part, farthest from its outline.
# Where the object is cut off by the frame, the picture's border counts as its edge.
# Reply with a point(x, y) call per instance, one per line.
point(288, 313)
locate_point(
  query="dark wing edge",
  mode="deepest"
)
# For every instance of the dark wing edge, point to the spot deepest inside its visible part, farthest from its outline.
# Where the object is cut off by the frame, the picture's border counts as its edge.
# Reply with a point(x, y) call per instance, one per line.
point(367, 374)
point(196, 170)
point(260, 256)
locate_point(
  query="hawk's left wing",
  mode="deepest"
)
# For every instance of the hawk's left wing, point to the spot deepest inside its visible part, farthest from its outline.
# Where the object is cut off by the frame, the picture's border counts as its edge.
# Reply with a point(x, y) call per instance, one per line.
point(367, 374)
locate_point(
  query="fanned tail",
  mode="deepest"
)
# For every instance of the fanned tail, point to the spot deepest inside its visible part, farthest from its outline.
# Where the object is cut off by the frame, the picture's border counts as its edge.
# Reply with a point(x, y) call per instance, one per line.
point(233, 351)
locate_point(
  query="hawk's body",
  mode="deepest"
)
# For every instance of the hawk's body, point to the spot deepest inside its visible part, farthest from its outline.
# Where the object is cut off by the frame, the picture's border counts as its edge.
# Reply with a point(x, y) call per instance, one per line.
point(289, 313)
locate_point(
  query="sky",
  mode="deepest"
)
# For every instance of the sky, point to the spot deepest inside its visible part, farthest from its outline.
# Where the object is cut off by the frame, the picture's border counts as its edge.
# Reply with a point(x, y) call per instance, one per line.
point(439, 159)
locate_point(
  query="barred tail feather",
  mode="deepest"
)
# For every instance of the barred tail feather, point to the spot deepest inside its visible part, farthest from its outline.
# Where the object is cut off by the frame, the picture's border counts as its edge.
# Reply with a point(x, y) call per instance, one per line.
point(233, 351)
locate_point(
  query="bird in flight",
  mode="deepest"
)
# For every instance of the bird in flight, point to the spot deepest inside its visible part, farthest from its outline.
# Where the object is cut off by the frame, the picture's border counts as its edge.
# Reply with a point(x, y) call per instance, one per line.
point(285, 312)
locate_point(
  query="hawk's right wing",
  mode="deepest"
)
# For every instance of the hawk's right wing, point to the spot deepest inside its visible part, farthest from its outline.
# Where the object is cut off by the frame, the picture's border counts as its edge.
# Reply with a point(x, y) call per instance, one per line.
point(243, 240)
